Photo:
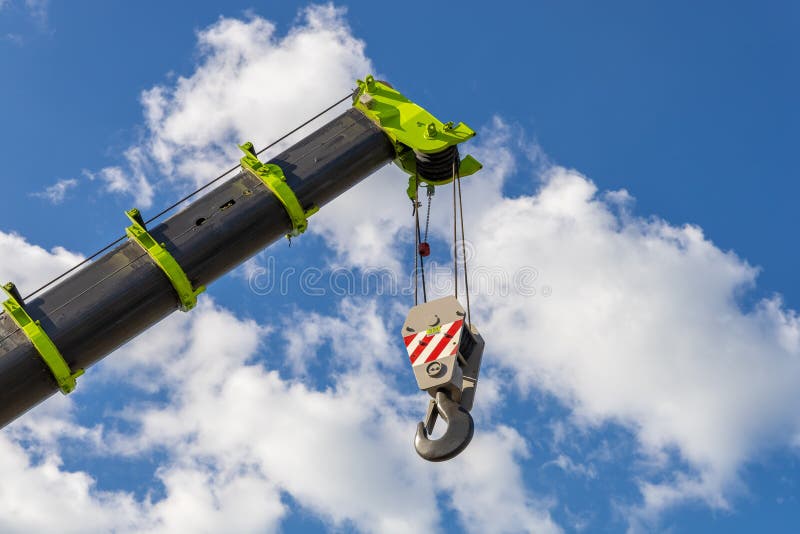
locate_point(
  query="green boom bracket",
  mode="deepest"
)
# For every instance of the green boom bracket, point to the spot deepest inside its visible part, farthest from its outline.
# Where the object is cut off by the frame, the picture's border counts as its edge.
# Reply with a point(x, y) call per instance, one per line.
point(15, 309)
point(159, 254)
point(272, 176)
point(411, 127)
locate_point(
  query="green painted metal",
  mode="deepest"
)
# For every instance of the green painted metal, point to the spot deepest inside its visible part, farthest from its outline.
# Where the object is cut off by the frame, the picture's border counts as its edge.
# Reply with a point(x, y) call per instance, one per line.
point(63, 375)
point(406, 122)
point(159, 254)
point(272, 176)
point(467, 166)
point(411, 127)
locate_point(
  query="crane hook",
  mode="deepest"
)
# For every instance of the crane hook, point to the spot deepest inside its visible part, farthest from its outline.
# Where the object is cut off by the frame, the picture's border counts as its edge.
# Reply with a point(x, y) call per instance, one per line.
point(460, 428)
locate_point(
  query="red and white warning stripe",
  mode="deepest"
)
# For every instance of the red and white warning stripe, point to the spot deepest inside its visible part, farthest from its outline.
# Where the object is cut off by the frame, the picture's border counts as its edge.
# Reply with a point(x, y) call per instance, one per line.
point(424, 348)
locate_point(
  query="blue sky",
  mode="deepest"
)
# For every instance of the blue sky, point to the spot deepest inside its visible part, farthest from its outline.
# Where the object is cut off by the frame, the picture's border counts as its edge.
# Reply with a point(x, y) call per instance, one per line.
point(690, 109)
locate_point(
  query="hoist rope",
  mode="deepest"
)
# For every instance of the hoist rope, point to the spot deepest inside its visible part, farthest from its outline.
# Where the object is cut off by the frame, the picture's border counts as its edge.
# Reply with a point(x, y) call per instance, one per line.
point(417, 252)
point(464, 248)
point(416, 248)
point(455, 236)
point(458, 212)
point(187, 197)
point(458, 217)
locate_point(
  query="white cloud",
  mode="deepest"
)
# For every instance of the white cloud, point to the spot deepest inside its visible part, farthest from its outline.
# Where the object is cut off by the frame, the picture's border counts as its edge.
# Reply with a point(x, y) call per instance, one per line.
point(358, 330)
point(569, 465)
point(487, 489)
point(364, 236)
point(662, 349)
point(198, 497)
point(56, 193)
point(642, 329)
point(202, 500)
point(35, 474)
point(250, 84)
point(625, 320)
point(38, 10)
point(337, 451)
point(30, 266)
point(14, 38)
point(236, 435)
point(132, 181)
point(33, 494)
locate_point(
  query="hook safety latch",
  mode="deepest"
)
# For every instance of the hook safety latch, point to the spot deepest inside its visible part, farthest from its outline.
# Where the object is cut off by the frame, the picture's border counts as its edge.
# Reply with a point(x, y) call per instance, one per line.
point(445, 354)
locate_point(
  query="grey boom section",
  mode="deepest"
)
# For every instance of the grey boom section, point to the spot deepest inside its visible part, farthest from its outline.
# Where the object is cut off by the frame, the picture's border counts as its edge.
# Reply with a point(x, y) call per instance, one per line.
point(122, 294)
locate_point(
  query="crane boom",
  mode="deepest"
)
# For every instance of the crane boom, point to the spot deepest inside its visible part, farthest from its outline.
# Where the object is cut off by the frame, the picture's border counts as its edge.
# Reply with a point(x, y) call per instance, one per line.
point(47, 342)
point(123, 293)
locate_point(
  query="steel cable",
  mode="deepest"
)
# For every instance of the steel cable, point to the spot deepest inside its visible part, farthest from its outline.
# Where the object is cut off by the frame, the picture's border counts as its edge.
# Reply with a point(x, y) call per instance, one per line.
point(187, 197)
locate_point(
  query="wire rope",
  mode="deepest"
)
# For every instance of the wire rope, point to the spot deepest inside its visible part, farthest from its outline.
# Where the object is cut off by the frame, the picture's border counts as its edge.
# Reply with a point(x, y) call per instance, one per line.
point(185, 198)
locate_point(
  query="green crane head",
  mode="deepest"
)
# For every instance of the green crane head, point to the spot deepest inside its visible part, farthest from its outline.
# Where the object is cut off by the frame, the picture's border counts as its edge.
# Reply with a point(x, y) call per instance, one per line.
point(417, 134)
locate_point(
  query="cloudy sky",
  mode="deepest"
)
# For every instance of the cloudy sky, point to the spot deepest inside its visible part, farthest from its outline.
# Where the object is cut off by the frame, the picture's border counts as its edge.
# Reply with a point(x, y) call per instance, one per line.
point(627, 238)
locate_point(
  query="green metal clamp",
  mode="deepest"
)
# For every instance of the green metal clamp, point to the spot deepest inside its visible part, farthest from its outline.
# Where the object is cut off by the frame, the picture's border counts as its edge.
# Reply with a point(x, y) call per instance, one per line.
point(159, 254)
point(410, 126)
point(272, 176)
point(15, 309)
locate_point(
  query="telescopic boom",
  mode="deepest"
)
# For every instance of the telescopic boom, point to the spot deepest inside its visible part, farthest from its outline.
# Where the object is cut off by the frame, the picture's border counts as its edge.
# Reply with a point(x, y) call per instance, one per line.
point(47, 342)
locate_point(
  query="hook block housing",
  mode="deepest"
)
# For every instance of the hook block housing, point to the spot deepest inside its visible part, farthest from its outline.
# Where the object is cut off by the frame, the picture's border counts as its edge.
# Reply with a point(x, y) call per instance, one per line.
point(445, 354)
